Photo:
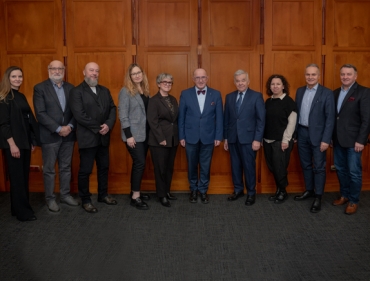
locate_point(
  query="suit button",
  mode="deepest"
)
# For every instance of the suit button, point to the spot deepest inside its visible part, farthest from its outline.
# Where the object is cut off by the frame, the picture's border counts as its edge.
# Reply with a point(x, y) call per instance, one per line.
point(337, 118)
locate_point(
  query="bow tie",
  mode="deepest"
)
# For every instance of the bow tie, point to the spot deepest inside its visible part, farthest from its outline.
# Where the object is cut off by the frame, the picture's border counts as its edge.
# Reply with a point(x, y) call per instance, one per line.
point(201, 92)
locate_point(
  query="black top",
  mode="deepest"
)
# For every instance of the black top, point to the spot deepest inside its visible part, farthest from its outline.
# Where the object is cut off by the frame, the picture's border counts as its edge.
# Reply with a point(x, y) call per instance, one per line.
point(277, 113)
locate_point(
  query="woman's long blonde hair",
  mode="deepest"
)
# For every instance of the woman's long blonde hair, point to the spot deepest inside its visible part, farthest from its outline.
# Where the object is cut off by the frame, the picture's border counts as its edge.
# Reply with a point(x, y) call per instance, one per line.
point(5, 87)
point(130, 85)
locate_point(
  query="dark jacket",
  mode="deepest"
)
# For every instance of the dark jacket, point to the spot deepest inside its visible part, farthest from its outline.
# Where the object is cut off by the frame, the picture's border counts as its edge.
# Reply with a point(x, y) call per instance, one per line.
point(91, 111)
point(163, 125)
point(13, 125)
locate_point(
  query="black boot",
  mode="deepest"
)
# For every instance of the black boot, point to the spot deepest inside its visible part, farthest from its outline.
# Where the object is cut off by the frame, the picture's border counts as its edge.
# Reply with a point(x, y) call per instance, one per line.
point(273, 197)
point(281, 196)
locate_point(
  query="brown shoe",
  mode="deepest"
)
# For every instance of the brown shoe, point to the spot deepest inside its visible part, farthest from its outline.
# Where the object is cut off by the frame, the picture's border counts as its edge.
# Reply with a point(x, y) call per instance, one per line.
point(340, 201)
point(90, 208)
point(351, 208)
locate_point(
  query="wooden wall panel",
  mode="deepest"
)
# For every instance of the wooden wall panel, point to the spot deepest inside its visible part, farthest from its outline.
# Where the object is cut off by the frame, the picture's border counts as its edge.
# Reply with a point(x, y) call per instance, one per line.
point(31, 44)
point(101, 31)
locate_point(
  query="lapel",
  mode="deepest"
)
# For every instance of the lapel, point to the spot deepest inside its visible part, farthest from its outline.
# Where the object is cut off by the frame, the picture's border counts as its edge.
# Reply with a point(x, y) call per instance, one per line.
point(208, 100)
point(243, 102)
point(194, 100)
point(346, 98)
point(53, 94)
point(316, 97)
point(299, 98)
point(91, 93)
point(164, 103)
point(139, 100)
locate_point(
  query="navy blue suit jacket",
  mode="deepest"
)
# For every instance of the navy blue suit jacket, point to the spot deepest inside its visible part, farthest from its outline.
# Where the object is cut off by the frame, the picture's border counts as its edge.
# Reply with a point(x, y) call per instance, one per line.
point(353, 120)
point(322, 114)
point(249, 124)
point(195, 126)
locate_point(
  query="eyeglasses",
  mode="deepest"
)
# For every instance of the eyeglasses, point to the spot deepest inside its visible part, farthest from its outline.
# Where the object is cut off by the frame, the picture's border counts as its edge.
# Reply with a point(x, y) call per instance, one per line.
point(200, 78)
point(169, 83)
point(54, 69)
point(136, 73)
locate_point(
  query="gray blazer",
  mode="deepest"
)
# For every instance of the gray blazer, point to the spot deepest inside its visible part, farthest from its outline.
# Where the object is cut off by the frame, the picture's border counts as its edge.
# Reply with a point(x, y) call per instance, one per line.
point(131, 112)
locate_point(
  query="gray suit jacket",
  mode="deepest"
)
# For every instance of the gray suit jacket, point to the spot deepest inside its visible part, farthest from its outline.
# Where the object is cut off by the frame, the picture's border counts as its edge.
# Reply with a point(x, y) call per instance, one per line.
point(131, 112)
point(49, 112)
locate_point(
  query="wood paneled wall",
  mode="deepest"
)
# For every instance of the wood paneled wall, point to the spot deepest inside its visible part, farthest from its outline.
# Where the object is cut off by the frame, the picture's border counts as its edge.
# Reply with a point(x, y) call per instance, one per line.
point(176, 36)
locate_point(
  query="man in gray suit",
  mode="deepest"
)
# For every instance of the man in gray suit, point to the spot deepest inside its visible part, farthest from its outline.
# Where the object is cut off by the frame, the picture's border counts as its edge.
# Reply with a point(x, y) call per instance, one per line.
point(57, 135)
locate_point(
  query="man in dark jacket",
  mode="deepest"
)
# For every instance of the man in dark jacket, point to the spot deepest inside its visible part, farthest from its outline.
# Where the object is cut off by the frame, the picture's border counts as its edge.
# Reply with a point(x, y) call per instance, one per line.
point(94, 110)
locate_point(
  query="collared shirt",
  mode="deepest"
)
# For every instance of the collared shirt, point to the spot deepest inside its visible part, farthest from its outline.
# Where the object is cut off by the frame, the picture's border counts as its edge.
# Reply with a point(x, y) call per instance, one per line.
point(201, 98)
point(341, 97)
point(308, 96)
point(242, 96)
point(62, 100)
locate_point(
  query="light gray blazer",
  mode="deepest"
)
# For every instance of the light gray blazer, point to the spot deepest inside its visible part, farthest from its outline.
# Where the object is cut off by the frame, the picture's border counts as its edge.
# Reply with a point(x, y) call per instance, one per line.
point(131, 113)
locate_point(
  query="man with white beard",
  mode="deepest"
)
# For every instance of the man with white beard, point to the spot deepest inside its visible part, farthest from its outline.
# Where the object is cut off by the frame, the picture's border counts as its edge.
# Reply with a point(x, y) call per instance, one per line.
point(94, 110)
point(57, 133)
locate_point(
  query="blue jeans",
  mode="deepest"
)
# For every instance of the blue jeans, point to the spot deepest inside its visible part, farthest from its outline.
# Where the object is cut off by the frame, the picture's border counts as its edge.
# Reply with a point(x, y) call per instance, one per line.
point(199, 154)
point(349, 171)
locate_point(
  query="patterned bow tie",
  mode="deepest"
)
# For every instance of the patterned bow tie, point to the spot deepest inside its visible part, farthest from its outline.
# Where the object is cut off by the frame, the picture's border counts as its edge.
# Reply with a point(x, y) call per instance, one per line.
point(201, 92)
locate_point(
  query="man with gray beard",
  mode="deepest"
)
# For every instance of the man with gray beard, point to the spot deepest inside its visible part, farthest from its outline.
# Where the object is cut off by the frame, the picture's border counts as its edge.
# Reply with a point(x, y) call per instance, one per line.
point(94, 110)
point(57, 133)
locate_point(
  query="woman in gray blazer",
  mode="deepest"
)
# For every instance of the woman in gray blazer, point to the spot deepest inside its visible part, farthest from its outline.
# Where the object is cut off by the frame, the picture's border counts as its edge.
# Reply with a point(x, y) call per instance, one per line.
point(163, 111)
point(133, 102)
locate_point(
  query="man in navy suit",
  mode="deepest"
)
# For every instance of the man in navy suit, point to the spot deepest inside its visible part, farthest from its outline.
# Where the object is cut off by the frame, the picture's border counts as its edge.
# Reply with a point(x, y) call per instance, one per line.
point(350, 136)
point(200, 130)
point(244, 124)
point(57, 133)
point(315, 125)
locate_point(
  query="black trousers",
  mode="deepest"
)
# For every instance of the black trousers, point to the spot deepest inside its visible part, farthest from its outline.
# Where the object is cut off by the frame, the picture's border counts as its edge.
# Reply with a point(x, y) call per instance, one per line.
point(19, 169)
point(278, 162)
point(100, 154)
point(163, 161)
point(138, 155)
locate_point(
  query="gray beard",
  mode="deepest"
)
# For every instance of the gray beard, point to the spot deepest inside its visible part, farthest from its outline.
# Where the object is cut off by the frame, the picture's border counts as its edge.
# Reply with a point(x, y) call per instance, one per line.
point(90, 82)
point(57, 81)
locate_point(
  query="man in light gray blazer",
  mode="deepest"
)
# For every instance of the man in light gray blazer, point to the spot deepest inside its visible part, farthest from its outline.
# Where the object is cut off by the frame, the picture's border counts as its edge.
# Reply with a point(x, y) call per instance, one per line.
point(57, 134)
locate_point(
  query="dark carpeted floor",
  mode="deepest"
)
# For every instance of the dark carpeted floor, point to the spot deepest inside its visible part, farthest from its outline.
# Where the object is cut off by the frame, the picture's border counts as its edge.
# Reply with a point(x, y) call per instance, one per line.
point(219, 241)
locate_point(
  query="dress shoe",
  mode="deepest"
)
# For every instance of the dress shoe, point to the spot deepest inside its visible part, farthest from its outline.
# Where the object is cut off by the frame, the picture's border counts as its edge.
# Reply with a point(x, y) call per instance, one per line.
point(305, 195)
point(235, 196)
point(53, 206)
point(316, 205)
point(351, 208)
point(193, 197)
point(164, 201)
point(273, 197)
point(340, 201)
point(143, 196)
point(281, 197)
point(69, 200)
point(204, 198)
point(251, 199)
point(139, 204)
point(108, 200)
point(32, 218)
point(90, 208)
point(171, 196)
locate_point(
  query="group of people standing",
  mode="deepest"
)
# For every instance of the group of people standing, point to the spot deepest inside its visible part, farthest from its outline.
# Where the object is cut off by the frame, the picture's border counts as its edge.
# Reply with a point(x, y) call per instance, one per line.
point(317, 118)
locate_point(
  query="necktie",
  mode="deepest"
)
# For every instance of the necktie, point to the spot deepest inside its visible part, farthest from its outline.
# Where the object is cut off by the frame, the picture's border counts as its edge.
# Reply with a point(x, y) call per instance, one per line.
point(201, 92)
point(239, 102)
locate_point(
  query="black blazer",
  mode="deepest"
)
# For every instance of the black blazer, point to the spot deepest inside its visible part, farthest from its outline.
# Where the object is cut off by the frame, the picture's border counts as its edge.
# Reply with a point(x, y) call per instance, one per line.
point(352, 123)
point(49, 112)
point(91, 111)
point(163, 125)
point(12, 124)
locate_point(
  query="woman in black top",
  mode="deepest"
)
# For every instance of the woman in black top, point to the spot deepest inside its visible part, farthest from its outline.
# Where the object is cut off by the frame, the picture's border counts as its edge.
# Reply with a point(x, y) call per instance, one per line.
point(18, 131)
point(163, 137)
point(281, 117)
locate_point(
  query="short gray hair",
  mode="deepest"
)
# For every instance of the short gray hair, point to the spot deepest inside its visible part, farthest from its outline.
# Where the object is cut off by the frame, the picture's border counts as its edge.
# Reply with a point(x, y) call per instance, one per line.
point(313, 65)
point(240, 72)
point(162, 76)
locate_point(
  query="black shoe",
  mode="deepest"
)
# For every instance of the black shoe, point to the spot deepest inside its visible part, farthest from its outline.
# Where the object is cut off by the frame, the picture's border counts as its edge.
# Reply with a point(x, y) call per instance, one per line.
point(164, 201)
point(273, 197)
point(32, 218)
point(171, 196)
point(143, 196)
point(235, 196)
point(316, 205)
point(305, 195)
point(139, 204)
point(204, 198)
point(281, 197)
point(193, 197)
point(251, 199)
